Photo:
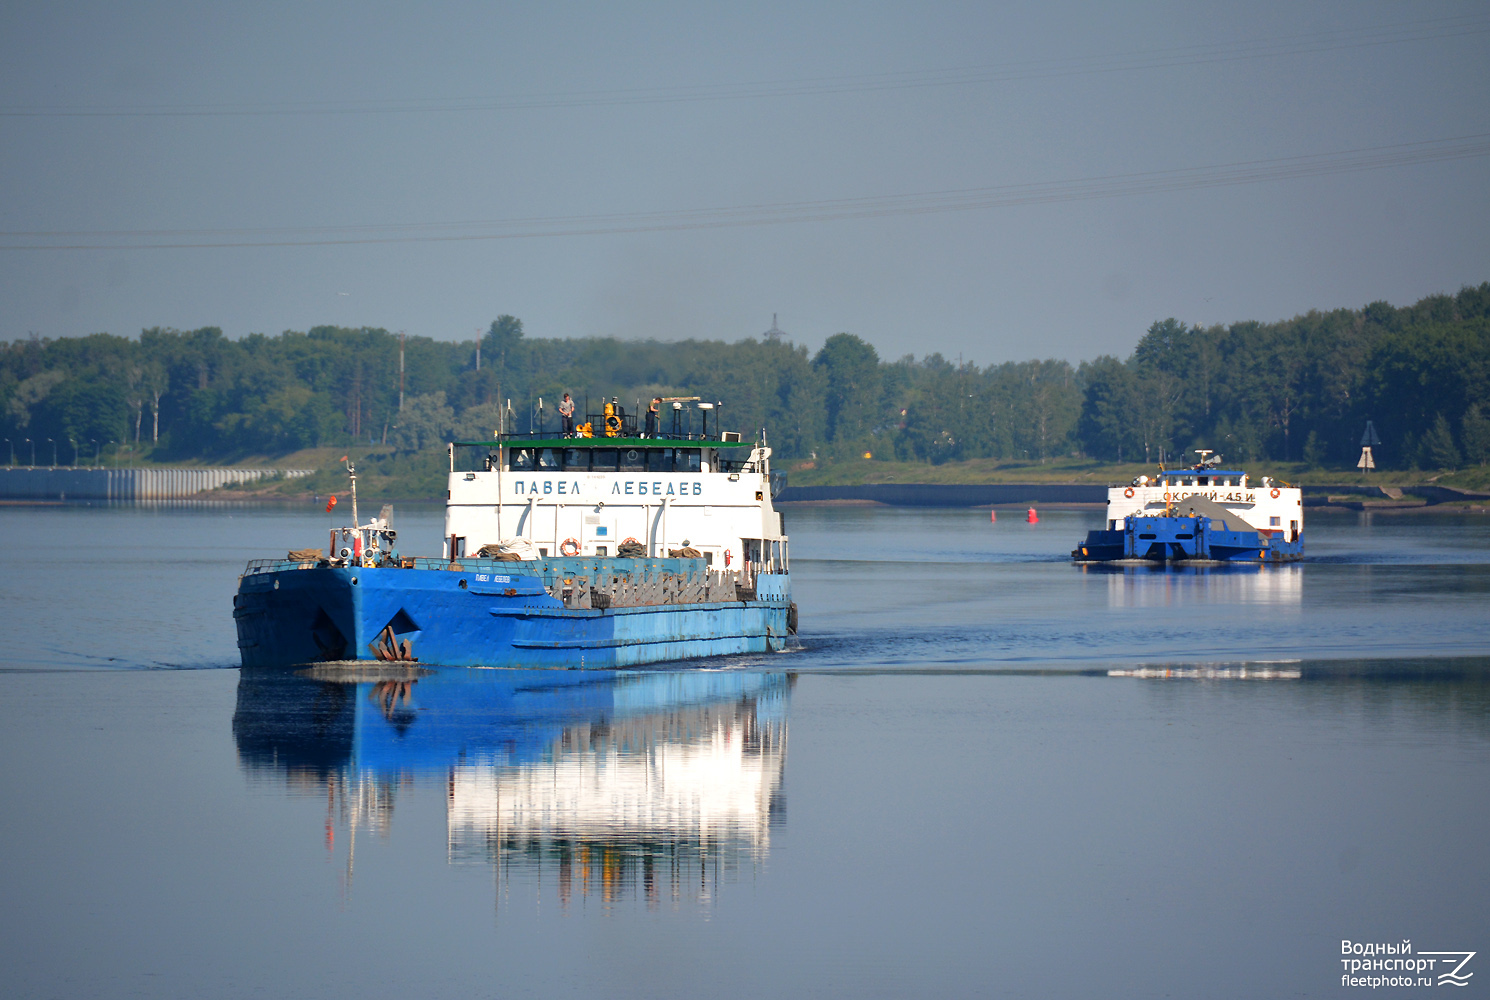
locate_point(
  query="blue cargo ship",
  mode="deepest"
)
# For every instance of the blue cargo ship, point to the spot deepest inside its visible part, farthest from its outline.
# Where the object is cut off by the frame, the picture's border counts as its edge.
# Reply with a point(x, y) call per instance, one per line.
point(1201, 514)
point(597, 550)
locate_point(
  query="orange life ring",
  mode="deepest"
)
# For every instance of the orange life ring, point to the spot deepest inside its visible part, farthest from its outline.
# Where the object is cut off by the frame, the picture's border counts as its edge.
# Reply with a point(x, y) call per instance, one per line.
point(726, 557)
point(570, 547)
point(1128, 492)
point(1275, 494)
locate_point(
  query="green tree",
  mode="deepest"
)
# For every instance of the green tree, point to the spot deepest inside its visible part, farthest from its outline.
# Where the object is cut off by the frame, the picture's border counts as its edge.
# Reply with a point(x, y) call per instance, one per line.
point(1313, 451)
point(851, 376)
point(1439, 451)
point(1474, 431)
point(1109, 409)
point(1159, 363)
point(1049, 407)
point(425, 421)
point(1427, 370)
point(1248, 390)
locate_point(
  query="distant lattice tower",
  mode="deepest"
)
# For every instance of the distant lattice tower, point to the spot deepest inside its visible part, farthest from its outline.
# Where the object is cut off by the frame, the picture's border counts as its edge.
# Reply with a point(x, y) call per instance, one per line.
point(776, 332)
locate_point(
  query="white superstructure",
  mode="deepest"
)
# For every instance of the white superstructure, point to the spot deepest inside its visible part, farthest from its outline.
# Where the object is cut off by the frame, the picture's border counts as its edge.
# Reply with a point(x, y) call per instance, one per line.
point(587, 496)
point(1272, 508)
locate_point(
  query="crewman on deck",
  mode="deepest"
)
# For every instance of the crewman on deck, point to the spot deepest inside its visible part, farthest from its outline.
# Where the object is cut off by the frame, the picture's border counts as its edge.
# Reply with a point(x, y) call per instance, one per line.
point(652, 417)
point(566, 415)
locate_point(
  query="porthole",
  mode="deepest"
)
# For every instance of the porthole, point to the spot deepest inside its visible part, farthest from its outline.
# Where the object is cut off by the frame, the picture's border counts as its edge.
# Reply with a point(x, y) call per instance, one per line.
point(354, 581)
point(463, 585)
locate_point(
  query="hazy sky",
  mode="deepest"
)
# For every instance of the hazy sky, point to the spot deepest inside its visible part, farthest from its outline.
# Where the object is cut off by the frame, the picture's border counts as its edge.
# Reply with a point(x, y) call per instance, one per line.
point(672, 170)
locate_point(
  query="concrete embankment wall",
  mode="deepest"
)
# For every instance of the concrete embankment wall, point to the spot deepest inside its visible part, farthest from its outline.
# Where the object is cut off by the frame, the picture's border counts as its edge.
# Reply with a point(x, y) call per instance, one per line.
point(64, 483)
point(1014, 494)
point(927, 495)
point(1433, 494)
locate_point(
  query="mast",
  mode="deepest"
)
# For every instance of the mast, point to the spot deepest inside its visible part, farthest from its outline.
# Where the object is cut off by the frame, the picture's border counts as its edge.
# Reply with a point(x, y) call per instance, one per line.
point(352, 472)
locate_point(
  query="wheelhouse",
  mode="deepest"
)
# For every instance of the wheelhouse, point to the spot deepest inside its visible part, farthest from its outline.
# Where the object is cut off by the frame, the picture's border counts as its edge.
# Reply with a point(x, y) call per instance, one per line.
point(1174, 478)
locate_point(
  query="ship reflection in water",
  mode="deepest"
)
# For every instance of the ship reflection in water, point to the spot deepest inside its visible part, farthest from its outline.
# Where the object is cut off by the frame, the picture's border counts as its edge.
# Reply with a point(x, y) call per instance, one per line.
point(613, 783)
point(1131, 586)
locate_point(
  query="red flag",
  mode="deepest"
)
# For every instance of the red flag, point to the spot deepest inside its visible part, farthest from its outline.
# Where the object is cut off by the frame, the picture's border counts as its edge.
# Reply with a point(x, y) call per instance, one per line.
point(331, 503)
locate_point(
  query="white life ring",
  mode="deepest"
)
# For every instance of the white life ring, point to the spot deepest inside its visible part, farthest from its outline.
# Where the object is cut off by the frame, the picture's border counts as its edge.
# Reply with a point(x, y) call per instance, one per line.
point(1128, 492)
point(570, 547)
point(1275, 493)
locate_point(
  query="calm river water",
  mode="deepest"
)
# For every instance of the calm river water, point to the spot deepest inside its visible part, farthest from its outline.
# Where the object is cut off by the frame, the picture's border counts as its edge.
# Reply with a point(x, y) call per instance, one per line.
point(985, 771)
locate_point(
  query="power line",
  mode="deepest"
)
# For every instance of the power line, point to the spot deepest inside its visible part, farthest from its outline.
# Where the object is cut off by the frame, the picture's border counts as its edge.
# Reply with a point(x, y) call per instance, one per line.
point(1431, 29)
point(780, 213)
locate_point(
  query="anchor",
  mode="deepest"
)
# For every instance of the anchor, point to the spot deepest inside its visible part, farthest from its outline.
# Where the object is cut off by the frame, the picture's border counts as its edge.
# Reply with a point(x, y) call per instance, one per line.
point(390, 649)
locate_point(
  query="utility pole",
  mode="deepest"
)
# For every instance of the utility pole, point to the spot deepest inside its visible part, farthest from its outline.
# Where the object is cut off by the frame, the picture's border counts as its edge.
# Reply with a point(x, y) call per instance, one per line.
point(400, 371)
point(478, 348)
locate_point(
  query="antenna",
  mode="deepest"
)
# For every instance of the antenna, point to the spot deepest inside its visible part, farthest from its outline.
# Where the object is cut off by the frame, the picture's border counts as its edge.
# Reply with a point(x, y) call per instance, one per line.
point(400, 371)
point(352, 474)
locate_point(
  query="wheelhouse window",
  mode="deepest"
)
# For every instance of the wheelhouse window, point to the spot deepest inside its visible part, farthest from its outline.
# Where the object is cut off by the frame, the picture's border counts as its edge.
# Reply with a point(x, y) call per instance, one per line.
point(655, 460)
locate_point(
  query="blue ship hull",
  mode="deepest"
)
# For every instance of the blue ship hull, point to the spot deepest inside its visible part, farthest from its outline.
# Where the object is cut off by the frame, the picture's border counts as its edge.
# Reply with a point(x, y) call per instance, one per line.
point(490, 615)
point(1177, 539)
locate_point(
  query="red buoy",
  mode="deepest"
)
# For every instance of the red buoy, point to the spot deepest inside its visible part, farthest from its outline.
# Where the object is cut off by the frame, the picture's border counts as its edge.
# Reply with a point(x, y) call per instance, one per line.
point(993, 515)
point(1032, 517)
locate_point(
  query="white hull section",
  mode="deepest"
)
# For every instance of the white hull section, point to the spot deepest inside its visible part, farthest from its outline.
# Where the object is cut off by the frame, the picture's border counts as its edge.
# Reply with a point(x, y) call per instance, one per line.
point(1269, 507)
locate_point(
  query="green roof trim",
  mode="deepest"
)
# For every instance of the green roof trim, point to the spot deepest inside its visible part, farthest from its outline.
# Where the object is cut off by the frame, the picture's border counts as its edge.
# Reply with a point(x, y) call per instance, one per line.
point(605, 442)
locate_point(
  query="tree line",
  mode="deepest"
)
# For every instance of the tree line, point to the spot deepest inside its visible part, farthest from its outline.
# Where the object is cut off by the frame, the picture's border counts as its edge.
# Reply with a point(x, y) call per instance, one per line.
point(1300, 390)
